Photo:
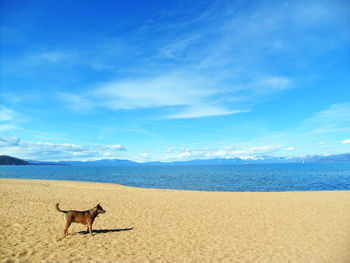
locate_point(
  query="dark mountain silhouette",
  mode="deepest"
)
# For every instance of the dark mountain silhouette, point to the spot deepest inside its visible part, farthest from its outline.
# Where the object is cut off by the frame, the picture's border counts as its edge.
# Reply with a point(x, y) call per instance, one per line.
point(8, 160)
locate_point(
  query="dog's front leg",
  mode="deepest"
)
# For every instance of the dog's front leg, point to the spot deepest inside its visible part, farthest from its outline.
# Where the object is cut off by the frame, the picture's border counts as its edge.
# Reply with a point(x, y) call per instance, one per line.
point(90, 229)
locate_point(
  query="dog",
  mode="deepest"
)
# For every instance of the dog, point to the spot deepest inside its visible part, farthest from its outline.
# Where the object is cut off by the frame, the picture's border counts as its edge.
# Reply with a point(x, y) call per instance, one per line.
point(84, 217)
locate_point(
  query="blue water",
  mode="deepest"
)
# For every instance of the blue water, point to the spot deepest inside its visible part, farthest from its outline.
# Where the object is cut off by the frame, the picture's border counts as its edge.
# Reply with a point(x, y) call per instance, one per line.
point(242, 178)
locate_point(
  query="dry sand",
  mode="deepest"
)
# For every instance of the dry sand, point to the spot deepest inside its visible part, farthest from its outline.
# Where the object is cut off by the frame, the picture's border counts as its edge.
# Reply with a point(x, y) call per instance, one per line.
point(148, 225)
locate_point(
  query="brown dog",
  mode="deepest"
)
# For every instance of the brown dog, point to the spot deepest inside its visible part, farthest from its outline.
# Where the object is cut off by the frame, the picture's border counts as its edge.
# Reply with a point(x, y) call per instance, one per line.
point(84, 217)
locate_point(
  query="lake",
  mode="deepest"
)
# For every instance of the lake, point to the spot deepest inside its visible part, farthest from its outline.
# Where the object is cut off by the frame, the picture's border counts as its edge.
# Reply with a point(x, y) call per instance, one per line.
point(235, 178)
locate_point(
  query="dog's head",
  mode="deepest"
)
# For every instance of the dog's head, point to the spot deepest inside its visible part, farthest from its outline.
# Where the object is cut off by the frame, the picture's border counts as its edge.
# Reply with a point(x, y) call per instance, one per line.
point(99, 209)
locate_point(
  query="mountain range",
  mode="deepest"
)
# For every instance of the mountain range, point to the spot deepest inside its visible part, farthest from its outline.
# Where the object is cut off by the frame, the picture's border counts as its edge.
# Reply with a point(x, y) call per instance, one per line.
point(8, 160)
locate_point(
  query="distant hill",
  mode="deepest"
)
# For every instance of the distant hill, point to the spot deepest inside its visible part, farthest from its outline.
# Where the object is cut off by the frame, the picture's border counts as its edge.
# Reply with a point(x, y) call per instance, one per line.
point(8, 160)
point(336, 158)
point(230, 161)
point(103, 162)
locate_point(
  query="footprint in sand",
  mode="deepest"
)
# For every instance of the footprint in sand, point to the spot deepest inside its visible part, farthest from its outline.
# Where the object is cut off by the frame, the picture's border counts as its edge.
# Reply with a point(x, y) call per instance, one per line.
point(22, 253)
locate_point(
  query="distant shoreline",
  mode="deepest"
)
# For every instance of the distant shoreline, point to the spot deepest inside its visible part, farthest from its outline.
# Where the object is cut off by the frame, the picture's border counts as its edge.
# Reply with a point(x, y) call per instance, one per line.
point(8, 160)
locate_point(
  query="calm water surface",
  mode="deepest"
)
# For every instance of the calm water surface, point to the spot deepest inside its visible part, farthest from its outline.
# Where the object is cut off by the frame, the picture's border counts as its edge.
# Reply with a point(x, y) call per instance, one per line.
point(253, 177)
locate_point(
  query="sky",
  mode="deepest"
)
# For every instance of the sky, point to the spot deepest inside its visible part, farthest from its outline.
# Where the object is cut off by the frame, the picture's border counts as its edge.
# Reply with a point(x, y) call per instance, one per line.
point(174, 80)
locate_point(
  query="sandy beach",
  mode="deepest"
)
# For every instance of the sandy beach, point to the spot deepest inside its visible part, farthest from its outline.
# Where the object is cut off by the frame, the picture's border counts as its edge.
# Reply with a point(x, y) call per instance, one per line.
point(150, 225)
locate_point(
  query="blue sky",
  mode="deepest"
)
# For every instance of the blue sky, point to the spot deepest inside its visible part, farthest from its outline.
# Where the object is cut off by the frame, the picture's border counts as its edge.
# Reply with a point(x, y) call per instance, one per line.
point(174, 80)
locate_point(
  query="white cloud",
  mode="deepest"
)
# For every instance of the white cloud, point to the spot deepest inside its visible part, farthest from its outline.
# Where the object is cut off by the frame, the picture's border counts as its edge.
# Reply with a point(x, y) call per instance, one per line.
point(179, 94)
point(228, 152)
point(174, 50)
point(289, 149)
point(6, 114)
point(250, 158)
point(142, 157)
point(9, 118)
point(335, 118)
point(346, 141)
point(263, 149)
point(198, 111)
point(336, 114)
point(169, 150)
point(9, 141)
point(54, 56)
point(184, 155)
point(173, 89)
point(220, 154)
point(116, 147)
point(272, 84)
point(76, 102)
point(53, 151)
point(6, 127)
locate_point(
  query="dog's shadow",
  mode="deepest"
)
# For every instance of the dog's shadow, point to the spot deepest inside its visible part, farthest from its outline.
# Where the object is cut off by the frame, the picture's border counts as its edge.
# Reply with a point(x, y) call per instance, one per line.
point(104, 231)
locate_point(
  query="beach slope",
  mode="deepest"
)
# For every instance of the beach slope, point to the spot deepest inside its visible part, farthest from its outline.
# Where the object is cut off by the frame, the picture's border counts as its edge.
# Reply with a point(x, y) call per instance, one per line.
point(149, 225)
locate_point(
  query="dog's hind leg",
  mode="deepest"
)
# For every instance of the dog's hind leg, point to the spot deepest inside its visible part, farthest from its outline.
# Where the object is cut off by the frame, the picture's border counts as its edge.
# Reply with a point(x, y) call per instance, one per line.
point(67, 226)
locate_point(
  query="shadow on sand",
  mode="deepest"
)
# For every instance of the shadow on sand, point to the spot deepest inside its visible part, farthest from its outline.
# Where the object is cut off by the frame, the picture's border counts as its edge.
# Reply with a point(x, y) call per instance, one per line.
point(104, 231)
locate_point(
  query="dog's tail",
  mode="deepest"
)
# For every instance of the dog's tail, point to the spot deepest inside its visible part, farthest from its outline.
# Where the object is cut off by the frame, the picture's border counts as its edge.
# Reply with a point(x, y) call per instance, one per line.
point(59, 210)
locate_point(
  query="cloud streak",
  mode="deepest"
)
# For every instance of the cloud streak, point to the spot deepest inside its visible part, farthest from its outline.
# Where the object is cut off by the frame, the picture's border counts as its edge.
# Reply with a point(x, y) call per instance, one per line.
point(228, 152)
point(8, 118)
point(335, 118)
point(346, 141)
point(209, 70)
point(179, 95)
point(6, 114)
point(47, 151)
